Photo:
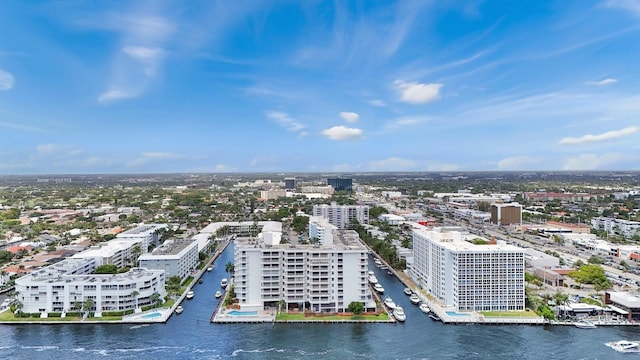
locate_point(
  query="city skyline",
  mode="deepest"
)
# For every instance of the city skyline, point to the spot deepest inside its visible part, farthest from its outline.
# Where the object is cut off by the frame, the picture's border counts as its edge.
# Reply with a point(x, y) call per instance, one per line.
point(145, 87)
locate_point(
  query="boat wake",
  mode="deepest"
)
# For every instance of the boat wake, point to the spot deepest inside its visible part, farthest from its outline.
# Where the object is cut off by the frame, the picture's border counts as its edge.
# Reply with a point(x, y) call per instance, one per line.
point(138, 326)
point(624, 346)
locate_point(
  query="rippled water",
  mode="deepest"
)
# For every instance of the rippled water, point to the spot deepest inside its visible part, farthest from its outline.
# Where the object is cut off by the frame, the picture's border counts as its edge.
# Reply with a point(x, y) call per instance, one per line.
point(190, 335)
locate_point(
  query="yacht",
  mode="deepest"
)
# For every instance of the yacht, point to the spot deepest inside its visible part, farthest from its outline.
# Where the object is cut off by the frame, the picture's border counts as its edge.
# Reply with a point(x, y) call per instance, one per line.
point(224, 282)
point(378, 288)
point(624, 346)
point(424, 308)
point(218, 294)
point(584, 324)
point(371, 273)
point(190, 294)
point(434, 316)
point(210, 268)
point(399, 314)
point(415, 299)
point(389, 302)
point(407, 291)
point(179, 309)
point(373, 279)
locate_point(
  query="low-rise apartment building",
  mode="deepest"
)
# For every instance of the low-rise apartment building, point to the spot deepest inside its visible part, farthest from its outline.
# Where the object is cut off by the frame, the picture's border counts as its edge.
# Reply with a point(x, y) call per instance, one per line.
point(175, 257)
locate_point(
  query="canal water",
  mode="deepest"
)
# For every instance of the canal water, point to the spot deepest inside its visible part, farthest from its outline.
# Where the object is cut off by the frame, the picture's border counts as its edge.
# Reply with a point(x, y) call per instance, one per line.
point(190, 335)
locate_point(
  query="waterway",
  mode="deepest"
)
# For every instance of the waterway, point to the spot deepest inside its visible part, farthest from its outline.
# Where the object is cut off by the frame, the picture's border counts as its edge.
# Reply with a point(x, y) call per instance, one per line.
point(190, 335)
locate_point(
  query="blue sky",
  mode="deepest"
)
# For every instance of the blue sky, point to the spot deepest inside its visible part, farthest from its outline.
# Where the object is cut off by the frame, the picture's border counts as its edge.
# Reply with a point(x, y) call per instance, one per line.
point(252, 86)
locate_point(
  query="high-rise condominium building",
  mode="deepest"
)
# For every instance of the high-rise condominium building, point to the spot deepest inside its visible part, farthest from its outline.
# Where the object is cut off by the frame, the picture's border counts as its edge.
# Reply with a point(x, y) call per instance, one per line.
point(342, 216)
point(467, 276)
point(506, 213)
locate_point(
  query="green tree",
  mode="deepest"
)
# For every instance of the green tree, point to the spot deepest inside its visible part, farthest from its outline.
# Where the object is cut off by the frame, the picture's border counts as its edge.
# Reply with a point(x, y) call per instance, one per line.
point(107, 269)
point(88, 305)
point(376, 211)
point(356, 307)
point(229, 268)
point(155, 299)
point(594, 259)
point(134, 294)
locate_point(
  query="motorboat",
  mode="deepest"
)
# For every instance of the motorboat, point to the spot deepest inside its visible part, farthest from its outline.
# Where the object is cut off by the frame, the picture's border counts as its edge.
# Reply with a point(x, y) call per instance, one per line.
point(425, 308)
point(434, 316)
point(190, 294)
point(389, 303)
point(210, 268)
point(200, 281)
point(218, 294)
point(377, 262)
point(224, 282)
point(584, 324)
point(179, 309)
point(407, 291)
point(378, 288)
point(624, 346)
point(399, 314)
point(371, 273)
point(389, 272)
point(373, 279)
point(384, 267)
point(415, 299)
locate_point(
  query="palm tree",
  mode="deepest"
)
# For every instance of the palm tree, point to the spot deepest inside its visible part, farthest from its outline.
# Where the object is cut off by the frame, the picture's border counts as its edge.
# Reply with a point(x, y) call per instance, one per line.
point(230, 268)
point(88, 305)
point(77, 306)
point(155, 299)
point(135, 294)
point(135, 252)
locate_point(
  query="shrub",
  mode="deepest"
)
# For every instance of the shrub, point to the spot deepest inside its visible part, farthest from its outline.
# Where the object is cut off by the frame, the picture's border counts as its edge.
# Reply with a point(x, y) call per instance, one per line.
point(54, 314)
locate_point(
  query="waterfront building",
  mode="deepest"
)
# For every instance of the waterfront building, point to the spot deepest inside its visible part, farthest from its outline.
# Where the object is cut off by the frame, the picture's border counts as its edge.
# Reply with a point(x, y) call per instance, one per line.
point(624, 304)
point(62, 286)
point(341, 184)
point(506, 213)
point(118, 252)
point(467, 276)
point(177, 257)
point(322, 277)
point(342, 216)
point(148, 233)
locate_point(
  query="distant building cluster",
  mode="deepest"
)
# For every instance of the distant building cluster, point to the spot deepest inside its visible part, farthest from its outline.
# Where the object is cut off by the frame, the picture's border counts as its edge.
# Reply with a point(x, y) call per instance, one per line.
point(342, 216)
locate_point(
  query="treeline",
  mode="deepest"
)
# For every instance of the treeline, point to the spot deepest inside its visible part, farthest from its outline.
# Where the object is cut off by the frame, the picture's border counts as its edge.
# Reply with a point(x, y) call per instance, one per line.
point(384, 248)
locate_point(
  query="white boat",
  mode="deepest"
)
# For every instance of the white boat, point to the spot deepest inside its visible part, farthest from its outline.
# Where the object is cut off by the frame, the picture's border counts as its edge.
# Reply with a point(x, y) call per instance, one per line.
point(218, 294)
point(624, 346)
point(190, 294)
point(584, 324)
point(373, 279)
point(378, 288)
point(434, 316)
point(179, 309)
point(424, 308)
point(415, 299)
point(210, 268)
point(371, 273)
point(389, 302)
point(224, 282)
point(399, 314)
point(408, 291)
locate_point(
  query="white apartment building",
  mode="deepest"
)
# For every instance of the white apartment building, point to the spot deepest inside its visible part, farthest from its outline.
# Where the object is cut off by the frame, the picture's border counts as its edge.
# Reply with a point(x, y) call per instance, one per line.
point(465, 276)
point(175, 257)
point(318, 277)
point(342, 215)
point(612, 226)
point(119, 252)
point(56, 288)
point(147, 233)
point(320, 229)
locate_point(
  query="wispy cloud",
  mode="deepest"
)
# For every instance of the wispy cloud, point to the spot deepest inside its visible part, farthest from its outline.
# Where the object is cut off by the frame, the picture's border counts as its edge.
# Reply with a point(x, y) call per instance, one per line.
point(603, 82)
point(148, 157)
point(632, 6)
point(405, 121)
point(349, 116)
point(115, 95)
point(22, 127)
point(52, 150)
point(377, 102)
point(590, 161)
point(284, 120)
point(519, 162)
point(6, 80)
point(392, 164)
point(343, 133)
point(417, 93)
point(148, 57)
point(609, 135)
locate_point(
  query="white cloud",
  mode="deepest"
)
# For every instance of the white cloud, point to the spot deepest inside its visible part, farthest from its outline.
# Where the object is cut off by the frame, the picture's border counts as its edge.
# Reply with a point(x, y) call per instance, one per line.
point(349, 116)
point(628, 5)
point(115, 95)
point(6, 80)
point(443, 167)
point(609, 161)
point(603, 82)
point(147, 56)
point(303, 134)
point(342, 133)
point(377, 102)
point(223, 168)
point(284, 120)
point(417, 93)
point(518, 162)
point(614, 134)
point(405, 121)
point(52, 150)
point(392, 164)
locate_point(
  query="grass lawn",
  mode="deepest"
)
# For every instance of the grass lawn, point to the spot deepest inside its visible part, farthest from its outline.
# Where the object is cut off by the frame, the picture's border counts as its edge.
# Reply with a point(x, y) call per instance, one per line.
point(516, 314)
point(8, 316)
point(300, 316)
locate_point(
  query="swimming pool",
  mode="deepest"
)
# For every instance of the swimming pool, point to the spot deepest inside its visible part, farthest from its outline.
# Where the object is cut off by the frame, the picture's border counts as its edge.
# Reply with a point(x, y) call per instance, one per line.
point(242, 313)
point(453, 313)
point(152, 315)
